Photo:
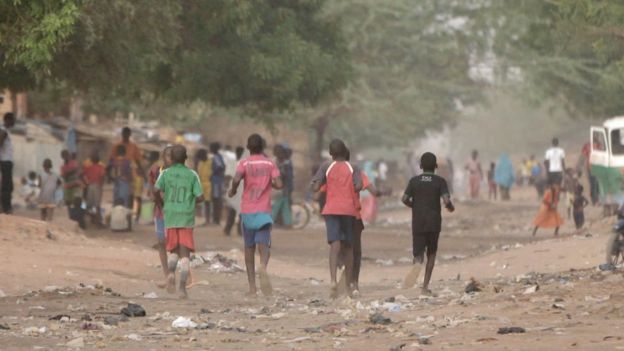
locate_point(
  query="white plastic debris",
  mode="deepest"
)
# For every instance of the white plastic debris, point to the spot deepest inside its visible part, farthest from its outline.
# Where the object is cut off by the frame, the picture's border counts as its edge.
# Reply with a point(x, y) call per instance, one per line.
point(2, 294)
point(51, 288)
point(151, 295)
point(386, 263)
point(392, 306)
point(183, 322)
point(531, 289)
point(134, 337)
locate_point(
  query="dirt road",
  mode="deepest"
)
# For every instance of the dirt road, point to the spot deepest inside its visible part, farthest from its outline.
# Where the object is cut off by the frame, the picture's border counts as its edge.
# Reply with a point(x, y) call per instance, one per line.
point(548, 286)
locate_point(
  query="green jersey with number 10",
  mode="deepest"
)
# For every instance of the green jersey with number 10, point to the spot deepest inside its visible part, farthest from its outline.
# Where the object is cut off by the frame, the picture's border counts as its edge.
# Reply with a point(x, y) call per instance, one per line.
point(180, 186)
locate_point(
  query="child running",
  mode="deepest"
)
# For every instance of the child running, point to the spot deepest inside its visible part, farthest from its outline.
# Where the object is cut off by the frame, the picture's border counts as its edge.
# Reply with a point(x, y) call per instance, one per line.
point(50, 182)
point(260, 175)
point(340, 211)
point(159, 219)
point(548, 216)
point(178, 190)
point(358, 228)
point(423, 195)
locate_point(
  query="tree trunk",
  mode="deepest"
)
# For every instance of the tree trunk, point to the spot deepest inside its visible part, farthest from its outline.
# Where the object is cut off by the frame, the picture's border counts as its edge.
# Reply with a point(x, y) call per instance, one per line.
point(13, 102)
point(76, 113)
point(320, 127)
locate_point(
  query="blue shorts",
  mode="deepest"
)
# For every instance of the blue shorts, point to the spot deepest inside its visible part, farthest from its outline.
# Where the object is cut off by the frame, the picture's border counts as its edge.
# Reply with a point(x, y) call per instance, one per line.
point(339, 228)
point(159, 224)
point(259, 236)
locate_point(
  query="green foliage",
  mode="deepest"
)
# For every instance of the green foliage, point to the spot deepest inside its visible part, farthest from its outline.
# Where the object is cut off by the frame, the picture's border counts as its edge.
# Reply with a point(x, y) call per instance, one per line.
point(569, 51)
point(412, 69)
point(262, 55)
point(268, 54)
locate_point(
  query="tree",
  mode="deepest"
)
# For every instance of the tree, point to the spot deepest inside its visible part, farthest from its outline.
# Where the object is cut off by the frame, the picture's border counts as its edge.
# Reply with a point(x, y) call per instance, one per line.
point(262, 55)
point(412, 64)
point(570, 52)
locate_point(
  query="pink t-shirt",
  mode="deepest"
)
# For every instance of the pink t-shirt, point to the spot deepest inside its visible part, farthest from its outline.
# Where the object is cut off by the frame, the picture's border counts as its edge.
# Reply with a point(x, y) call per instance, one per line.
point(258, 171)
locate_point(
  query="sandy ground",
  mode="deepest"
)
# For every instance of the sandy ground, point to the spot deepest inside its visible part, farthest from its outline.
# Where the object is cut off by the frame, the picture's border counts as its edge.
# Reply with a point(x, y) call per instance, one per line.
point(548, 286)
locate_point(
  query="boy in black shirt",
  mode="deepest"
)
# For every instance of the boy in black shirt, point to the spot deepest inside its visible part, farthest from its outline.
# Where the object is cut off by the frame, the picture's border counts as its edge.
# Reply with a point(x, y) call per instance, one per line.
point(423, 195)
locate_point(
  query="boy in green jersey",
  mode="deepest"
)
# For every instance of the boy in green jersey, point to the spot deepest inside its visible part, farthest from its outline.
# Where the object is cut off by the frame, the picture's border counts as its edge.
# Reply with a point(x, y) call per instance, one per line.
point(177, 191)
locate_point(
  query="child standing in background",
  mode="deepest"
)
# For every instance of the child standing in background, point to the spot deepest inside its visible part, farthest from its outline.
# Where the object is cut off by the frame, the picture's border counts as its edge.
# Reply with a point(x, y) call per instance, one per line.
point(204, 170)
point(579, 204)
point(492, 192)
point(93, 176)
point(50, 182)
point(120, 171)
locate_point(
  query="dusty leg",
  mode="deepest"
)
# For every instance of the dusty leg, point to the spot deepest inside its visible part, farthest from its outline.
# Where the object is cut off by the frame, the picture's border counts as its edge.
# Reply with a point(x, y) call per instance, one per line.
point(428, 270)
point(250, 264)
point(557, 231)
point(173, 265)
point(265, 282)
point(412, 277)
point(347, 253)
point(162, 254)
point(207, 211)
point(357, 258)
point(334, 251)
point(44, 215)
point(139, 203)
point(184, 270)
point(534, 230)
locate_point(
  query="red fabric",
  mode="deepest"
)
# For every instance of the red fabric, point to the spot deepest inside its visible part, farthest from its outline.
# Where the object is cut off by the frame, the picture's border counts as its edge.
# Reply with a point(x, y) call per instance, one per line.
point(94, 173)
point(132, 151)
point(180, 236)
point(69, 172)
point(358, 204)
point(340, 191)
point(369, 209)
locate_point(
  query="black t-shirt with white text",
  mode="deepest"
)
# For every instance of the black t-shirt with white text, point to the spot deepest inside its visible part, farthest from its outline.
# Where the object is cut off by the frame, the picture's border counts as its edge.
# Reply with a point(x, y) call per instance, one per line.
point(425, 191)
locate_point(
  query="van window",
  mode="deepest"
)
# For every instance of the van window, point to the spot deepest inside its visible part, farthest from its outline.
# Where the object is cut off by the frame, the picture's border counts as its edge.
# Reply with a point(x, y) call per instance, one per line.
point(617, 141)
point(599, 141)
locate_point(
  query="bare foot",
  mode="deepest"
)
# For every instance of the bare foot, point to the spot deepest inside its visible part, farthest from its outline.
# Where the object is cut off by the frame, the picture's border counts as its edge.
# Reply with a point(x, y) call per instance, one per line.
point(183, 295)
point(162, 285)
point(412, 276)
point(426, 292)
point(355, 293)
point(171, 283)
point(251, 294)
point(189, 280)
point(333, 291)
point(265, 282)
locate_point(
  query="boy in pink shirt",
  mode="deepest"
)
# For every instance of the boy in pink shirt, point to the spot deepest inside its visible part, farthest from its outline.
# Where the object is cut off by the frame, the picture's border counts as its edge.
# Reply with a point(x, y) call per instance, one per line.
point(340, 212)
point(260, 175)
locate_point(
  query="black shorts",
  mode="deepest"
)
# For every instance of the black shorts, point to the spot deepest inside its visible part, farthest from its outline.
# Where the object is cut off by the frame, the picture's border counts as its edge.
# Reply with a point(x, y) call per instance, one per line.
point(555, 177)
point(579, 219)
point(425, 241)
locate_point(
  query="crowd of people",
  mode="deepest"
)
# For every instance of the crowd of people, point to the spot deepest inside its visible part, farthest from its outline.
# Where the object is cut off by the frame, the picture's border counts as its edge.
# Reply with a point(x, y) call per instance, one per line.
point(179, 191)
point(552, 180)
